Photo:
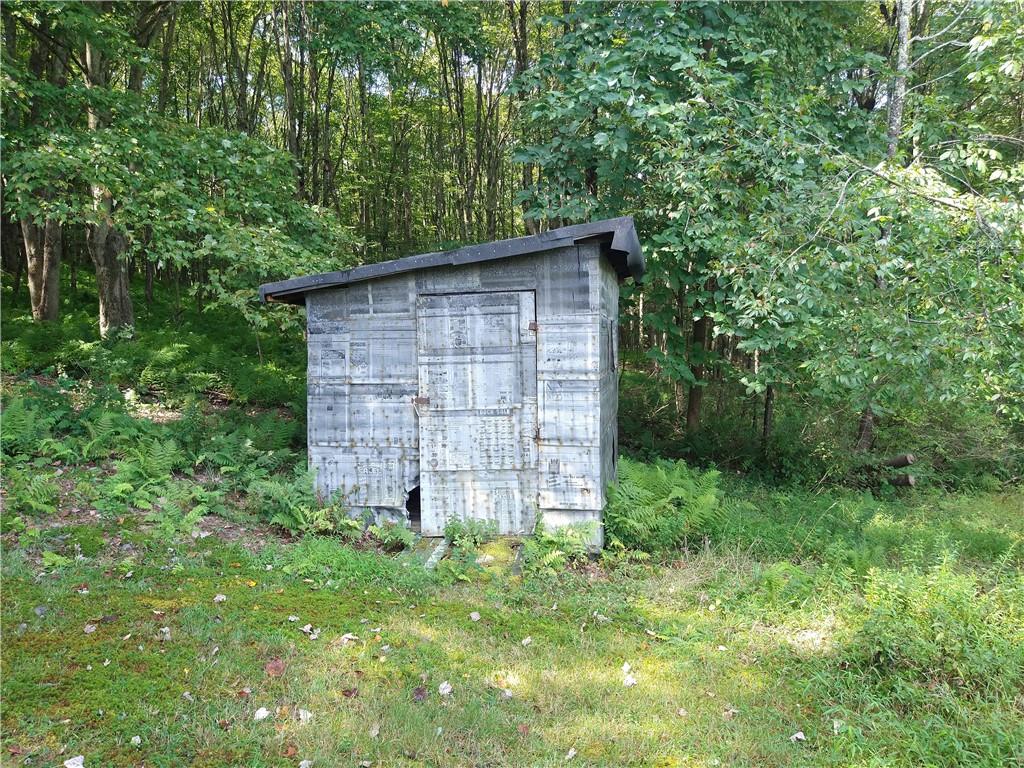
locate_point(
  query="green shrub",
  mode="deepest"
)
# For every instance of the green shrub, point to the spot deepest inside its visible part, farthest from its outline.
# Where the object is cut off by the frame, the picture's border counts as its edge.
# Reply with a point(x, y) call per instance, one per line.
point(393, 537)
point(654, 507)
point(942, 627)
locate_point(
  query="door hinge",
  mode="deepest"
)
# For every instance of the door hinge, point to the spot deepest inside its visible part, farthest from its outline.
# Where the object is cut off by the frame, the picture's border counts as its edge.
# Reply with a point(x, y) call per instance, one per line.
point(533, 326)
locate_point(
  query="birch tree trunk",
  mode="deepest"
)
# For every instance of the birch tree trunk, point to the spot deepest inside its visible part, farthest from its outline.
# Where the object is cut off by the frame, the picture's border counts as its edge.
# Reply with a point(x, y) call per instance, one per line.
point(898, 95)
point(897, 100)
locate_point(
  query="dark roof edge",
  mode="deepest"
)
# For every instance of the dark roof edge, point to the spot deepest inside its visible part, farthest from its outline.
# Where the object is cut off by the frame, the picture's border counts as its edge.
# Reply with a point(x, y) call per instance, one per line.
point(622, 248)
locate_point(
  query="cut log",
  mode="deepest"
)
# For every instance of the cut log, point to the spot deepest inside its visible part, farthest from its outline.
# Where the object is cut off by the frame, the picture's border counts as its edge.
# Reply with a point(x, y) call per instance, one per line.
point(903, 460)
point(903, 480)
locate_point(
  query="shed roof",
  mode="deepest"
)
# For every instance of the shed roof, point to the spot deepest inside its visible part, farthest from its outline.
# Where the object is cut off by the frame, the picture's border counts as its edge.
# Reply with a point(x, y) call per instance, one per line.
point(619, 236)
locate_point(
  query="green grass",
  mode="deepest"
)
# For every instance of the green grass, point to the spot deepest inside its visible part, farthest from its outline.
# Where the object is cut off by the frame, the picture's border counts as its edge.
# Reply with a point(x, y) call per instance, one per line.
point(752, 645)
point(888, 628)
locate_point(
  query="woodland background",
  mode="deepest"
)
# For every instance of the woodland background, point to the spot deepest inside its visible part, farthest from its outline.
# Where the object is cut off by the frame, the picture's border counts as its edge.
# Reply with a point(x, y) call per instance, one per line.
point(829, 194)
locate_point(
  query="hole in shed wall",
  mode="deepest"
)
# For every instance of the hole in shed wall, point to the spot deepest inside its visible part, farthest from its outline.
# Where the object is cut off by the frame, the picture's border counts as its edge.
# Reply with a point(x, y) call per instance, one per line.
point(412, 508)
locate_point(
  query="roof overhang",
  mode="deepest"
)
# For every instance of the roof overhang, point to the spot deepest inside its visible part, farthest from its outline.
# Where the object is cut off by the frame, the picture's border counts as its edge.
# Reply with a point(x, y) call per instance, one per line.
point(618, 237)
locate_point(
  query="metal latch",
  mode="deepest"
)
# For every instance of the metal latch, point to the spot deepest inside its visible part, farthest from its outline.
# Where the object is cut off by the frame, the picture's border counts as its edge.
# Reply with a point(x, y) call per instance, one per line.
point(421, 401)
point(533, 326)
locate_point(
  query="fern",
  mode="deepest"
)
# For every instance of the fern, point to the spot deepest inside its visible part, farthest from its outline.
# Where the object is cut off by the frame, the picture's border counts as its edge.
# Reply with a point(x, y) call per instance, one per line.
point(654, 507)
point(551, 551)
point(23, 426)
point(35, 494)
point(102, 433)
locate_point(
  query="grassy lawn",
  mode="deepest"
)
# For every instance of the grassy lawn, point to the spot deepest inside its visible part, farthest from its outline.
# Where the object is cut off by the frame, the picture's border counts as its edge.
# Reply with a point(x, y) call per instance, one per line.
point(733, 650)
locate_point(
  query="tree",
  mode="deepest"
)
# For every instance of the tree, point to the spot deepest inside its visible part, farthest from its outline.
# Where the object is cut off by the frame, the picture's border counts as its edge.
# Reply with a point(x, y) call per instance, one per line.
point(784, 250)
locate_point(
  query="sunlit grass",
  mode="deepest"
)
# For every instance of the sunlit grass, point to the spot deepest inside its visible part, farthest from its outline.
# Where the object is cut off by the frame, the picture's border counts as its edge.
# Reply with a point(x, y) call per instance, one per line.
point(732, 655)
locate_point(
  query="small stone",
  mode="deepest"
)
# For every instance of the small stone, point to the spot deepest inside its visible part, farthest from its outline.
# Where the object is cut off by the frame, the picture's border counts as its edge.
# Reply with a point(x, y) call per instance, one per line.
point(261, 714)
point(445, 688)
point(526, 641)
point(187, 696)
point(474, 616)
point(570, 754)
point(306, 764)
point(798, 736)
point(89, 629)
point(136, 740)
point(305, 716)
point(75, 762)
point(41, 610)
point(219, 598)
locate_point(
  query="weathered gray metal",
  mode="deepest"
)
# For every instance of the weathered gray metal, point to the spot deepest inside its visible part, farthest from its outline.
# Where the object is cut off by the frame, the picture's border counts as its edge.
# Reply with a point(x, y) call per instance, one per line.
point(485, 377)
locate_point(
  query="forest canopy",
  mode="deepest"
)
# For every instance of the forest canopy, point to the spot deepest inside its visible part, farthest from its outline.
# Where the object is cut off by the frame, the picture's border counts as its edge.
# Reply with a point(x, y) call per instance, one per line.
point(829, 194)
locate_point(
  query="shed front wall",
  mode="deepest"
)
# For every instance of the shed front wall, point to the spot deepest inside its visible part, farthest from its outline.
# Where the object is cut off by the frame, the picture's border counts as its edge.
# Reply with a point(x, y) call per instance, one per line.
point(362, 369)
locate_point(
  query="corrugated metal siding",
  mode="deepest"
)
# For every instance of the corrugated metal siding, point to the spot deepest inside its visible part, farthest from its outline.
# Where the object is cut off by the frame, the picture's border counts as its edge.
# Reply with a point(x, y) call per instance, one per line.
point(520, 420)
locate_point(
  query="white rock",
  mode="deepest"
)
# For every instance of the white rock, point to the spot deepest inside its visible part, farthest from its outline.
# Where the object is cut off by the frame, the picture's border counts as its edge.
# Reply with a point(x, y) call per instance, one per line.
point(445, 688)
point(570, 754)
point(798, 736)
point(75, 762)
point(474, 616)
point(306, 764)
point(305, 716)
point(261, 714)
point(629, 681)
point(136, 740)
point(527, 641)
point(219, 598)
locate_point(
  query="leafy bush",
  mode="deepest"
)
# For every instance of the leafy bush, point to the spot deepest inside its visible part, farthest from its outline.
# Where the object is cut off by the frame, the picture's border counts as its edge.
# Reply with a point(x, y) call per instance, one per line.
point(654, 507)
point(941, 627)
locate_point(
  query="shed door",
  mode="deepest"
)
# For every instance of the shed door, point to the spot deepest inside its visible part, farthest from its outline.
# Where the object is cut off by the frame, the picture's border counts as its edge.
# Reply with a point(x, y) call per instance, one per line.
point(477, 406)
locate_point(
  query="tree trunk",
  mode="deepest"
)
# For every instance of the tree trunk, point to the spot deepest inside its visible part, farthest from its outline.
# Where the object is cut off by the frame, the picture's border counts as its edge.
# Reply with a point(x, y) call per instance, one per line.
point(898, 97)
point(104, 243)
point(43, 249)
point(769, 416)
point(106, 248)
point(700, 340)
point(865, 430)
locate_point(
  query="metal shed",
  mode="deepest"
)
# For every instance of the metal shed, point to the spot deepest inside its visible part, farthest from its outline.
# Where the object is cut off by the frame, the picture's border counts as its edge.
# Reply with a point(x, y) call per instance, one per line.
point(475, 383)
